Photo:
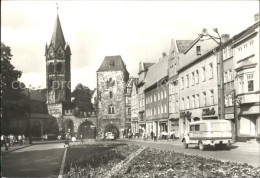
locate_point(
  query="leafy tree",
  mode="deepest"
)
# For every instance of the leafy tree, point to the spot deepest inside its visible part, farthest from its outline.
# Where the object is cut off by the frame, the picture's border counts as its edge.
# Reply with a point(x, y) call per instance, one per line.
point(82, 99)
point(14, 102)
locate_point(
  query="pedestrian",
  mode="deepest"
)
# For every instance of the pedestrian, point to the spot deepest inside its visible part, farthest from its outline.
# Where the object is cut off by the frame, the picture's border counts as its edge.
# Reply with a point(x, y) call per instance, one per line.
point(23, 139)
point(173, 133)
point(20, 140)
point(152, 135)
point(67, 140)
point(8, 142)
point(4, 140)
point(11, 140)
point(81, 137)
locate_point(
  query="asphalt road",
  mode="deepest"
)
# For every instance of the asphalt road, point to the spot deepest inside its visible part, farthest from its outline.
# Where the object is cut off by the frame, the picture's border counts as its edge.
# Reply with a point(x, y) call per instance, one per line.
point(233, 154)
point(37, 160)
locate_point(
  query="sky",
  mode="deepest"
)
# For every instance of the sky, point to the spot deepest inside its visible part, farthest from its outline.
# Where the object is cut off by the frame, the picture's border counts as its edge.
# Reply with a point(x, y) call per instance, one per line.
point(136, 30)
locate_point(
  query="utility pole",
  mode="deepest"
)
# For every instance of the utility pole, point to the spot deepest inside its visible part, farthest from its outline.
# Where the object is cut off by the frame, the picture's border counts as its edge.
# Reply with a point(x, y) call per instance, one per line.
point(29, 119)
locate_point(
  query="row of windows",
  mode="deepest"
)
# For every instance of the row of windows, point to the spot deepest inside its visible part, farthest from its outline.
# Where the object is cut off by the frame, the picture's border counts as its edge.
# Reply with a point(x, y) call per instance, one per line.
point(245, 50)
point(229, 100)
point(194, 100)
point(195, 76)
point(160, 95)
point(227, 52)
point(159, 110)
point(246, 83)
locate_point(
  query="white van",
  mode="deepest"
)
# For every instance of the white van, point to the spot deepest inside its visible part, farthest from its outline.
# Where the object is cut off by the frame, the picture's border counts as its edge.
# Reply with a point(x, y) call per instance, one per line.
point(209, 133)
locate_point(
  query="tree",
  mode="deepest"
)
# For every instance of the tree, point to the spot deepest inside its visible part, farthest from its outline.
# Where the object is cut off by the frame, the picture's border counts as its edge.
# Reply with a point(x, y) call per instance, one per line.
point(14, 102)
point(82, 99)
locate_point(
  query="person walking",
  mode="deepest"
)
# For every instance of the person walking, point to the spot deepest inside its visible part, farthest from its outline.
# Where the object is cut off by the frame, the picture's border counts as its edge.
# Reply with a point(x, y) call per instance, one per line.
point(152, 135)
point(23, 139)
point(11, 140)
point(20, 140)
point(8, 142)
point(4, 140)
point(67, 140)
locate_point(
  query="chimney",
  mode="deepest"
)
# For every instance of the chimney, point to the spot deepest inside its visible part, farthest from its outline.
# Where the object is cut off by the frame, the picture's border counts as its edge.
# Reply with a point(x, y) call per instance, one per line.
point(256, 17)
point(224, 37)
point(164, 54)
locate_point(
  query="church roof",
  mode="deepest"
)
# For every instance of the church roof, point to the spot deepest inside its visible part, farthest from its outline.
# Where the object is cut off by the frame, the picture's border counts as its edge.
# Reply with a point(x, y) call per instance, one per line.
point(112, 63)
point(57, 36)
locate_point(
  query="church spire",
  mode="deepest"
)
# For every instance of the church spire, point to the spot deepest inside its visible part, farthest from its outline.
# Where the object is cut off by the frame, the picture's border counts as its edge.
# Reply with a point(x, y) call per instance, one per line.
point(57, 36)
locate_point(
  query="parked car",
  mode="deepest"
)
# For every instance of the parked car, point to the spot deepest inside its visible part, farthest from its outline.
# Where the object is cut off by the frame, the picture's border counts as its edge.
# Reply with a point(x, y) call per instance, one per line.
point(209, 133)
point(110, 136)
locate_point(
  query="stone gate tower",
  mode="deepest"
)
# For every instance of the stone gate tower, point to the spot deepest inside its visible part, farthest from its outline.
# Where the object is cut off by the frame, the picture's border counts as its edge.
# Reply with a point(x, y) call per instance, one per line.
point(58, 73)
point(112, 77)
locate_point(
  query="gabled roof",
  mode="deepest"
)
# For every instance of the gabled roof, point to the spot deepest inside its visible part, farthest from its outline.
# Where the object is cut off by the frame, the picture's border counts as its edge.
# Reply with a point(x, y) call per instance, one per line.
point(144, 66)
point(156, 72)
point(182, 45)
point(57, 36)
point(112, 63)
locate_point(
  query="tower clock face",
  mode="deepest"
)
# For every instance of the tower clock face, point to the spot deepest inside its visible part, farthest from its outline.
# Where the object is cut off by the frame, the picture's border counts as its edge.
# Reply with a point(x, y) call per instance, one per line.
point(51, 54)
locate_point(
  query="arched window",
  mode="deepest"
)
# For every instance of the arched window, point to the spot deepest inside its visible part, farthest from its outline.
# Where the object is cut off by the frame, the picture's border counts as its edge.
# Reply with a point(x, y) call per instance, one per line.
point(51, 68)
point(111, 109)
point(59, 66)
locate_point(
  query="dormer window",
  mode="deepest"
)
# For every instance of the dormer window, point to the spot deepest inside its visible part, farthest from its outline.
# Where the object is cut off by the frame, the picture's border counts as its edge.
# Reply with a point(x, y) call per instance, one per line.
point(111, 64)
point(198, 50)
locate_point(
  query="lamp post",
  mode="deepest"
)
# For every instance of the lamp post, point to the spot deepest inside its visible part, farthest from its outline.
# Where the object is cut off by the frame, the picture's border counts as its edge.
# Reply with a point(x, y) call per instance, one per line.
point(218, 40)
point(29, 118)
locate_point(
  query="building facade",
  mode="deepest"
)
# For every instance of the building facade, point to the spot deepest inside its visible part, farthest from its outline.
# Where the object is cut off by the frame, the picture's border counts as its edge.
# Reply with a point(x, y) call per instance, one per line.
point(246, 64)
point(112, 77)
point(128, 103)
point(134, 108)
point(198, 84)
point(156, 98)
point(176, 50)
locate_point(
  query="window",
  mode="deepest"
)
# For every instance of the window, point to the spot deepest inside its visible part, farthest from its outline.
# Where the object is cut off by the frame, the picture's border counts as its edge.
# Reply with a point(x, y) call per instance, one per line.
point(225, 77)
point(251, 48)
point(155, 111)
point(226, 100)
point(111, 95)
point(143, 102)
point(162, 94)
point(111, 109)
point(241, 84)
point(182, 83)
point(165, 94)
point(59, 67)
point(198, 50)
point(51, 68)
point(193, 101)
point(197, 127)
point(159, 110)
point(203, 74)
point(225, 54)
point(204, 99)
point(165, 109)
point(250, 82)
point(211, 97)
point(154, 97)
point(182, 103)
point(210, 70)
point(197, 100)
point(197, 77)
point(129, 110)
point(231, 103)
point(239, 53)
point(188, 103)
point(230, 52)
point(162, 108)
point(192, 128)
point(187, 80)
point(177, 105)
point(229, 73)
point(192, 78)
point(173, 107)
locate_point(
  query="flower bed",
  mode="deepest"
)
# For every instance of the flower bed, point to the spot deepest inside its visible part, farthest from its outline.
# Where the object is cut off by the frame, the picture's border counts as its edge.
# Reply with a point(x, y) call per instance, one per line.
point(158, 163)
point(95, 160)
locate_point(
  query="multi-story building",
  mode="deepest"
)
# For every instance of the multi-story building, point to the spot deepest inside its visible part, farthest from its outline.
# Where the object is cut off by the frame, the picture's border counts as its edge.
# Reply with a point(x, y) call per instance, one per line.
point(198, 83)
point(143, 68)
point(156, 97)
point(176, 50)
point(112, 77)
point(134, 108)
point(128, 103)
point(246, 63)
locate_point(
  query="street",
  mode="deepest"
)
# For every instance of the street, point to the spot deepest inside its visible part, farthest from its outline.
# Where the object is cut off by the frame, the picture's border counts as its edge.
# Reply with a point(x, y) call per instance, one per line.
point(238, 152)
point(38, 160)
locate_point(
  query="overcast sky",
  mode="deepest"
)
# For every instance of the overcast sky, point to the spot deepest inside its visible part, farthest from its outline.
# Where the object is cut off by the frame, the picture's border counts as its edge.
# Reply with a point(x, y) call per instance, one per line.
point(136, 30)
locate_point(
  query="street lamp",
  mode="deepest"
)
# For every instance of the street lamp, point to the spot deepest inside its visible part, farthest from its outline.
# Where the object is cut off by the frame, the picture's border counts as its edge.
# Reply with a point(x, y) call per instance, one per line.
point(29, 118)
point(218, 40)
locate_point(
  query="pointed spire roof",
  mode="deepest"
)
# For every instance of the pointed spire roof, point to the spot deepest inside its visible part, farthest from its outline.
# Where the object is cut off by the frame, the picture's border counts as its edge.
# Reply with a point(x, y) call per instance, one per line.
point(57, 36)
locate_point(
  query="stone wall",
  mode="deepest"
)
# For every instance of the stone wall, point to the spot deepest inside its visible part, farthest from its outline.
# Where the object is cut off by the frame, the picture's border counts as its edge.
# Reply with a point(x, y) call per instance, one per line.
point(111, 81)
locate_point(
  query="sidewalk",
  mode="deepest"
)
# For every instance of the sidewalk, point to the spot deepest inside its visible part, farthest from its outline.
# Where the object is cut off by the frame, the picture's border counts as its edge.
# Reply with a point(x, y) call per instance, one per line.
point(13, 148)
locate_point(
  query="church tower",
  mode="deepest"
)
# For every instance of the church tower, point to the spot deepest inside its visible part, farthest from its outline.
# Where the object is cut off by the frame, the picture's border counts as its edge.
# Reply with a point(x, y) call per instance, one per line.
point(58, 74)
